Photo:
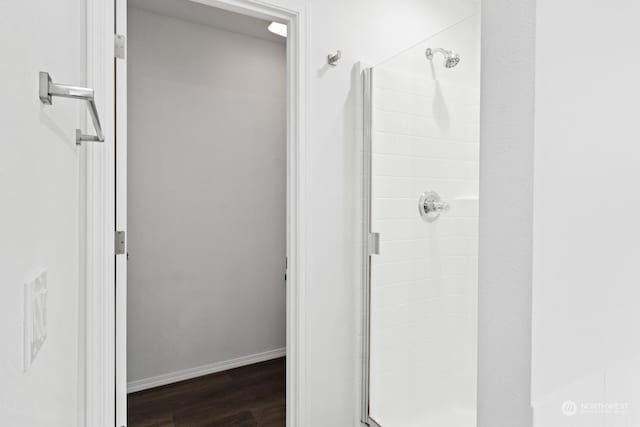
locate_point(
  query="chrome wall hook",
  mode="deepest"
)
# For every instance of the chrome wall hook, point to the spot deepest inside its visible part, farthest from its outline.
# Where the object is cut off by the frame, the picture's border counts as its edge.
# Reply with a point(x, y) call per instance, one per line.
point(333, 58)
point(48, 90)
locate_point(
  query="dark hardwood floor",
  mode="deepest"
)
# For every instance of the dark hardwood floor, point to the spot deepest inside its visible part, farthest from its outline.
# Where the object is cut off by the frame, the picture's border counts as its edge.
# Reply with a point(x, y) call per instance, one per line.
point(244, 397)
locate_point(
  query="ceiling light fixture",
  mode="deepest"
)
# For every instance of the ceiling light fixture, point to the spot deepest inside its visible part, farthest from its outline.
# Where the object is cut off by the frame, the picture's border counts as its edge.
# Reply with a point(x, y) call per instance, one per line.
point(278, 28)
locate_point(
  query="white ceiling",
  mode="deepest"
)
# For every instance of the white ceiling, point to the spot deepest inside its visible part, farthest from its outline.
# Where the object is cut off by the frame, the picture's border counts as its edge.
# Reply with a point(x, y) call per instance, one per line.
point(211, 16)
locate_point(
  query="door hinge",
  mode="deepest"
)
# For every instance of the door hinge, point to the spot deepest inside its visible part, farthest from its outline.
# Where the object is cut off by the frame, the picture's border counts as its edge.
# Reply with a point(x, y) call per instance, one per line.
point(119, 43)
point(121, 242)
point(374, 244)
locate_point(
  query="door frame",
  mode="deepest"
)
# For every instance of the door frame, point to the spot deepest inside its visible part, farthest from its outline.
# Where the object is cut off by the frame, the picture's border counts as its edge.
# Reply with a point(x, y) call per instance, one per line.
point(106, 391)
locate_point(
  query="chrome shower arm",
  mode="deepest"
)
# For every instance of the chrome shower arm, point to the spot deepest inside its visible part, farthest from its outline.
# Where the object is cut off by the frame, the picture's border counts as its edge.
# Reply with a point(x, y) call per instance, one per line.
point(430, 52)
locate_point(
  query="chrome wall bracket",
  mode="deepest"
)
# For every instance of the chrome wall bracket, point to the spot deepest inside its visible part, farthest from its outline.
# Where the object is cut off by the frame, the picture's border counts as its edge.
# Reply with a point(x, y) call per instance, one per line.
point(48, 90)
point(333, 58)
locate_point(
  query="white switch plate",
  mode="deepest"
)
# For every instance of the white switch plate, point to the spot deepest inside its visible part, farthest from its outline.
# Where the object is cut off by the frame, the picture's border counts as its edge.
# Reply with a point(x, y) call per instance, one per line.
point(35, 318)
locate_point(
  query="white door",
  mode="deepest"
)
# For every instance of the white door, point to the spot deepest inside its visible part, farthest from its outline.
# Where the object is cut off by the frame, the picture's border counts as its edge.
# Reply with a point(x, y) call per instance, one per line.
point(41, 211)
point(121, 211)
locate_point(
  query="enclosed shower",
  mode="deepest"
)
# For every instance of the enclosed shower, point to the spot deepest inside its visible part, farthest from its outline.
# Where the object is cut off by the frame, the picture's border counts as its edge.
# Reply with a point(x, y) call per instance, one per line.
point(421, 160)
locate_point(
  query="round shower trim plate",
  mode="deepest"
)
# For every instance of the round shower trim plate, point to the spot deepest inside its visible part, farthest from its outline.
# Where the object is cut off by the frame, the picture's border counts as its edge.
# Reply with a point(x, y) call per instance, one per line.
point(428, 196)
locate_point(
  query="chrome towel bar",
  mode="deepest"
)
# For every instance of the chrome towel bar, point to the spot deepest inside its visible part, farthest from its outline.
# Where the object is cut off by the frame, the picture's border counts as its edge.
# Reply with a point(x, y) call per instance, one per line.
point(48, 90)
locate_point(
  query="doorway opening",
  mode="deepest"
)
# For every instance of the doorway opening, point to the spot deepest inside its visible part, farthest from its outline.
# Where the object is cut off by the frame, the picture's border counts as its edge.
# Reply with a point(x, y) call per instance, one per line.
point(206, 216)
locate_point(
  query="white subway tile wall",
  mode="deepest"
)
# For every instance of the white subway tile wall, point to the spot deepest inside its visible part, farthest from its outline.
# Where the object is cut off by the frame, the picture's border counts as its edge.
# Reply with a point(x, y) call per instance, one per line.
point(425, 136)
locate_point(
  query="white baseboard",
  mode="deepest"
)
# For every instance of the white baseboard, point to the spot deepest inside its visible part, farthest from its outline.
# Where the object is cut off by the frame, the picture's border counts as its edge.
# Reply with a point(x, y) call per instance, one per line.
point(187, 374)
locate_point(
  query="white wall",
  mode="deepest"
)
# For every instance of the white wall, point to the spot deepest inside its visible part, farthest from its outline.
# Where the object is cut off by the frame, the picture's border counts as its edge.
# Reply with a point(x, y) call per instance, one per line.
point(424, 280)
point(41, 215)
point(506, 195)
point(558, 323)
point(586, 321)
point(206, 195)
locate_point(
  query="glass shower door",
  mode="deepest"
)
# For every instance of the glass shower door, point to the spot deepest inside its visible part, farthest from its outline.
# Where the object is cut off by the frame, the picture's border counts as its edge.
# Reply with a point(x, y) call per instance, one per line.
point(422, 151)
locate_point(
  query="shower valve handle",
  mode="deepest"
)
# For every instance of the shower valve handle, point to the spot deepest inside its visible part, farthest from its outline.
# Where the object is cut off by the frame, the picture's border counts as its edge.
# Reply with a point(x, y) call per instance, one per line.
point(430, 206)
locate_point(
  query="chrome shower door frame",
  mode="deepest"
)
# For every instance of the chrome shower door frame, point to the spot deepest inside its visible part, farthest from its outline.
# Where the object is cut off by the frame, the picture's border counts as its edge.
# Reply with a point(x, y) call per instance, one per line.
point(368, 246)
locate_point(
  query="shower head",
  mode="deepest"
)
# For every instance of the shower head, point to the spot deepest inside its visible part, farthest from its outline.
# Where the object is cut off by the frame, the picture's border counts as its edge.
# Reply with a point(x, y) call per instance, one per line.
point(451, 59)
